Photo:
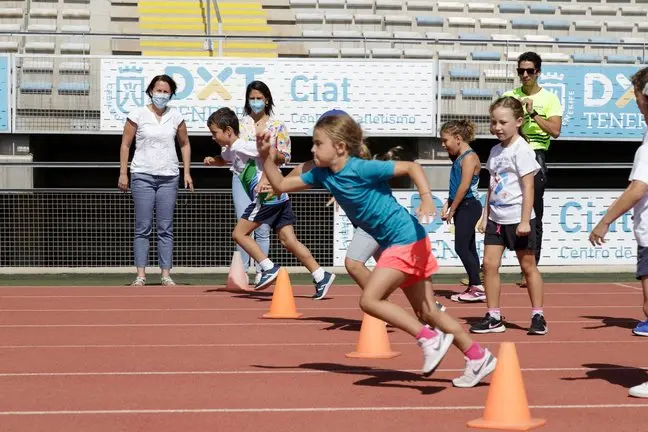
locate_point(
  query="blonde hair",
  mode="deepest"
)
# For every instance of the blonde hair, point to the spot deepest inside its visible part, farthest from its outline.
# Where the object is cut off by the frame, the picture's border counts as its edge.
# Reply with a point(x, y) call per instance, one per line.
point(466, 129)
point(508, 102)
point(342, 128)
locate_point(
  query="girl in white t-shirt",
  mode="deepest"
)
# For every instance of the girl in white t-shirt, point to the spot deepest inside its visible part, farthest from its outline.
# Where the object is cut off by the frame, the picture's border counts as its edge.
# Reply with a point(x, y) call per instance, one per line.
point(509, 217)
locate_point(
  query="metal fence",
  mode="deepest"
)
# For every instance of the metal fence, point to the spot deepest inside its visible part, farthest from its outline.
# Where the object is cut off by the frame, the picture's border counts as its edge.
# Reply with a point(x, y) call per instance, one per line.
point(94, 229)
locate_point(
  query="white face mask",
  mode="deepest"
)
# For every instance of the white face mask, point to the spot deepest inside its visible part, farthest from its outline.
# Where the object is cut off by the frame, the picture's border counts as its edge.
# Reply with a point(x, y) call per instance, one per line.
point(160, 100)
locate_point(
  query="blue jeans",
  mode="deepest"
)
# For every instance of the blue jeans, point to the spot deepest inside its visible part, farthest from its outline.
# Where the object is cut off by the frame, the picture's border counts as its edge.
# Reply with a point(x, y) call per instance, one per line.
point(261, 234)
point(149, 192)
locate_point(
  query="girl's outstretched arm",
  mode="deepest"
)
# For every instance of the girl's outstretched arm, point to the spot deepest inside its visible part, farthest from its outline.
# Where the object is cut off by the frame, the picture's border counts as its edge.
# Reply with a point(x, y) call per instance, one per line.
point(279, 183)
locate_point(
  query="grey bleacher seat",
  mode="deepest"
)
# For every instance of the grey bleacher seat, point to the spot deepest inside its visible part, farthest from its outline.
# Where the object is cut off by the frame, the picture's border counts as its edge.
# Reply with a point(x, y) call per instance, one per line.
point(633, 11)
point(642, 26)
point(588, 25)
point(429, 21)
point(389, 4)
point(8, 46)
point(338, 17)
point(303, 3)
point(35, 87)
point(462, 73)
point(525, 23)
point(352, 52)
point(586, 58)
point(604, 10)
point(510, 38)
point(481, 7)
point(309, 17)
point(11, 12)
point(573, 9)
point(377, 34)
point(43, 13)
point(572, 41)
point(331, 4)
point(419, 5)
point(435, 36)
point(360, 4)
point(542, 9)
point(498, 75)
point(461, 22)
point(74, 67)
point(398, 20)
point(493, 22)
point(418, 53)
point(76, 13)
point(622, 26)
point(368, 19)
point(554, 57)
point(515, 8)
point(73, 88)
point(452, 55)
point(317, 33)
point(447, 93)
point(75, 28)
point(486, 55)
point(37, 66)
point(386, 52)
point(533, 40)
point(450, 6)
point(475, 39)
point(621, 59)
point(75, 48)
point(476, 93)
point(323, 52)
point(40, 47)
point(409, 35)
point(556, 24)
point(38, 27)
point(603, 39)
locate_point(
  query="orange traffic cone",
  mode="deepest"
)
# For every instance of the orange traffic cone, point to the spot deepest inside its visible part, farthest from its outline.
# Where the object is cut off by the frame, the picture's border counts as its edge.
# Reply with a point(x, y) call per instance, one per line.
point(283, 302)
point(373, 341)
point(506, 404)
point(237, 278)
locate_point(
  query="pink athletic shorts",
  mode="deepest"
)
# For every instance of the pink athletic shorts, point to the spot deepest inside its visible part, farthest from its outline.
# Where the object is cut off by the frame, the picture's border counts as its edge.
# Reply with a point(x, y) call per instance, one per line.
point(415, 260)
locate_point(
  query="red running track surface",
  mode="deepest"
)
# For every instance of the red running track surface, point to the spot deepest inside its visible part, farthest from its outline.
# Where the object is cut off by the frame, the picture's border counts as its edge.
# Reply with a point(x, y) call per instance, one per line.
point(194, 358)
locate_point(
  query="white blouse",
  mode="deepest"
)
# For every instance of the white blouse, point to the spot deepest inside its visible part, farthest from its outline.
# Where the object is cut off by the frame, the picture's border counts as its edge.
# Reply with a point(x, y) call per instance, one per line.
point(155, 152)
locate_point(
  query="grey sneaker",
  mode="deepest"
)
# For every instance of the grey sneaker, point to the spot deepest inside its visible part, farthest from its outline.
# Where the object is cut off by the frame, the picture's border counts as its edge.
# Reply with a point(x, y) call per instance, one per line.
point(434, 350)
point(167, 281)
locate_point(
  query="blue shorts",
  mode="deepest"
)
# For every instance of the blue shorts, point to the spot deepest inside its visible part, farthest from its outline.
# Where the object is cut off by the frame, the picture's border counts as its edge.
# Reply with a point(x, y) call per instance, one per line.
point(642, 262)
point(275, 215)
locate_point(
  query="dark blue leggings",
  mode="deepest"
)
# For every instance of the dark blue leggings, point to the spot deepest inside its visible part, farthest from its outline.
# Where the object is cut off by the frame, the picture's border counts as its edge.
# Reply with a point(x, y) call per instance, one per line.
point(465, 219)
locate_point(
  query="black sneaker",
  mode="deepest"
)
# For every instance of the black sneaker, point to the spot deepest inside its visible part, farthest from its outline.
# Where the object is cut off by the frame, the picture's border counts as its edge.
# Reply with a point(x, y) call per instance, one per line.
point(488, 325)
point(538, 325)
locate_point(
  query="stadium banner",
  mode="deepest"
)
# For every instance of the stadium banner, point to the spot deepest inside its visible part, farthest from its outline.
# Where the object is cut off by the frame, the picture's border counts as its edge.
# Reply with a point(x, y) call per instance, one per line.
point(569, 217)
point(388, 98)
point(5, 93)
point(598, 102)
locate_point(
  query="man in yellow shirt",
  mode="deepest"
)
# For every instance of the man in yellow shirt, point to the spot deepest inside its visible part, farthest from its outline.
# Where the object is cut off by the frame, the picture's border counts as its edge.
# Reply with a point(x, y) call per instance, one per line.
point(542, 121)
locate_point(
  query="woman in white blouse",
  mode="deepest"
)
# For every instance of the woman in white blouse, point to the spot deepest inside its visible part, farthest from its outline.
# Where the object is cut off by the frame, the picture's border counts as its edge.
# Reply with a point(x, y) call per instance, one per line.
point(155, 173)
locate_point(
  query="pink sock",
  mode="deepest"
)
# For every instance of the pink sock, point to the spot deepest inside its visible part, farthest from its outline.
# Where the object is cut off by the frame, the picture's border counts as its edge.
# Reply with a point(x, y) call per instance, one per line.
point(475, 352)
point(426, 333)
point(537, 311)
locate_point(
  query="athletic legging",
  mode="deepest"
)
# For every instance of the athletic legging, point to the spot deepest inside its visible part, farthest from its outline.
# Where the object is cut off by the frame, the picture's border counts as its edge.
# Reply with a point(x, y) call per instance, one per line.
point(465, 219)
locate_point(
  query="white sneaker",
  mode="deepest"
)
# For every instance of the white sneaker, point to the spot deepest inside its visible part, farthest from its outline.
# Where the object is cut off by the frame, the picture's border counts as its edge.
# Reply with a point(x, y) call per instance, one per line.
point(640, 391)
point(434, 350)
point(476, 370)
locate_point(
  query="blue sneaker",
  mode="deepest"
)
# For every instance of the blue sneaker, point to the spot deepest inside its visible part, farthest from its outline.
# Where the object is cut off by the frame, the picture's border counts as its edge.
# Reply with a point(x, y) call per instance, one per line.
point(267, 277)
point(641, 329)
point(323, 286)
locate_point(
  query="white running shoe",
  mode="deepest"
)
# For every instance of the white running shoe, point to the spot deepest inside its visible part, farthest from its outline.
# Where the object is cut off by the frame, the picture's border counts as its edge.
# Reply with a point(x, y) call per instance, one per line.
point(433, 351)
point(476, 370)
point(471, 295)
point(640, 391)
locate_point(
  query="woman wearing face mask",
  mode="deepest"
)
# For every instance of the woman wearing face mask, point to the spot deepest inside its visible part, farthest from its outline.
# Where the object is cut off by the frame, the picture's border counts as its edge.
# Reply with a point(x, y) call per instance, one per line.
point(258, 118)
point(154, 172)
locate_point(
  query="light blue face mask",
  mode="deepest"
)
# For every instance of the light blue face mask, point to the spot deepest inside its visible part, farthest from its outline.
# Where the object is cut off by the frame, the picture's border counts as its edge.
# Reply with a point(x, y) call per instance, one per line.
point(160, 100)
point(257, 105)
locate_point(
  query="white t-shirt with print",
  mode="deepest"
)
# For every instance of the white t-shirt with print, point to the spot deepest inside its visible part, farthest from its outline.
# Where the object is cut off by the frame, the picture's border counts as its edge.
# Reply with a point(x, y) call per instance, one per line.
point(155, 151)
point(640, 211)
point(507, 166)
point(239, 153)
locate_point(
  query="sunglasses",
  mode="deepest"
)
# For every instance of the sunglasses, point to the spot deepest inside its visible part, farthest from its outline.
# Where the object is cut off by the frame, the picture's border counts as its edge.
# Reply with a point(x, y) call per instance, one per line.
point(529, 71)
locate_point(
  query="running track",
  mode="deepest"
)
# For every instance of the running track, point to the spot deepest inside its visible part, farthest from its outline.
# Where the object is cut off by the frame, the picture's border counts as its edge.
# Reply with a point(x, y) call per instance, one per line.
point(195, 358)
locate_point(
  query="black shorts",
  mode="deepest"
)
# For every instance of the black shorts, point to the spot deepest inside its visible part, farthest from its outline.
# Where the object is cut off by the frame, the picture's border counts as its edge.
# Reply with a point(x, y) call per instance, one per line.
point(504, 235)
point(274, 215)
point(642, 262)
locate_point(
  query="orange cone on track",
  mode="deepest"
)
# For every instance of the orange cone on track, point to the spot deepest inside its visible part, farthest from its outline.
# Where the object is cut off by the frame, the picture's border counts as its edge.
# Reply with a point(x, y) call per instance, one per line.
point(506, 404)
point(237, 278)
point(374, 341)
point(283, 301)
